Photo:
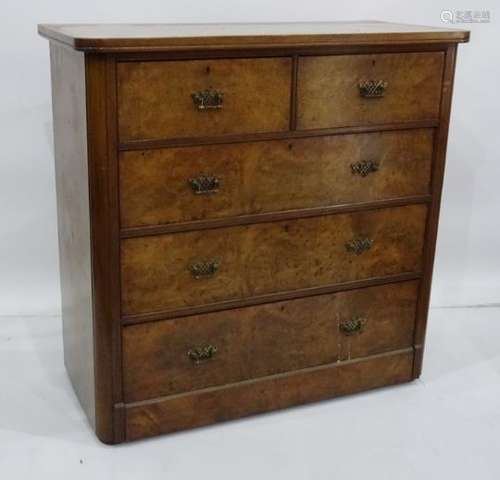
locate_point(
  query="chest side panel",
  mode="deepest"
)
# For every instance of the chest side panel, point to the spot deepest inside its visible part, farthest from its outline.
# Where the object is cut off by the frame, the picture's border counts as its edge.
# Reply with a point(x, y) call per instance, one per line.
point(70, 148)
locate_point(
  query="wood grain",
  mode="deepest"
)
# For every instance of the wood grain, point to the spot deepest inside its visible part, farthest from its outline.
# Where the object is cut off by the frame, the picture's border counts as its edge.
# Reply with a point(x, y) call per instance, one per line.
point(121, 38)
point(438, 169)
point(170, 414)
point(328, 94)
point(73, 221)
point(127, 134)
point(285, 135)
point(145, 230)
point(154, 98)
point(103, 189)
point(272, 176)
point(267, 339)
point(268, 298)
point(268, 257)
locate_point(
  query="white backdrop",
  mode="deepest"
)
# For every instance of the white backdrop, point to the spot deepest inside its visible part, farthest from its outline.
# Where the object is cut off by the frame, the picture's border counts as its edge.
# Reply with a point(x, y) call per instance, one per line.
point(468, 258)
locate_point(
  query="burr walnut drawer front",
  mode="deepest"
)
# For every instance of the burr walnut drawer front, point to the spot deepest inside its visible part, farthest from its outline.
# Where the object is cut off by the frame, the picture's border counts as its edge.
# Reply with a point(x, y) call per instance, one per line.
point(207, 182)
point(172, 271)
point(349, 90)
point(172, 356)
point(198, 98)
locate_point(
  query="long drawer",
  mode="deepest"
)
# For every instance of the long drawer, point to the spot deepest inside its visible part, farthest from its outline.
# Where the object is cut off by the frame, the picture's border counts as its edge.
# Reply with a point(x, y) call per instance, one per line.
point(349, 90)
point(172, 356)
point(202, 407)
point(171, 271)
point(198, 183)
point(171, 99)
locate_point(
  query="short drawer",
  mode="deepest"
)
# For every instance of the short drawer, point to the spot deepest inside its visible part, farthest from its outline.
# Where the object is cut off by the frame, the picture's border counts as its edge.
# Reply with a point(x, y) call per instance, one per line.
point(172, 271)
point(199, 98)
point(172, 356)
point(350, 90)
point(207, 182)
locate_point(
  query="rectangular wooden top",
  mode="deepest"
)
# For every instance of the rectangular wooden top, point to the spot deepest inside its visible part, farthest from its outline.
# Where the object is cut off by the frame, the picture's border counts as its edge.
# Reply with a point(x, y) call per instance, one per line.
point(166, 37)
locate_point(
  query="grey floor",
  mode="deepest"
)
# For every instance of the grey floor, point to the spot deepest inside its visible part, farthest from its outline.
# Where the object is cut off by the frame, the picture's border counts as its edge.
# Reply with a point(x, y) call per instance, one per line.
point(444, 426)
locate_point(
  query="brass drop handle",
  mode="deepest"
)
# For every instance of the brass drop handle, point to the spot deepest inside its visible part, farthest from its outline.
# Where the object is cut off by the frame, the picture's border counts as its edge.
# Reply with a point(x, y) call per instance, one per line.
point(364, 167)
point(204, 184)
point(201, 353)
point(359, 245)
point(208, 99)
point(353, 326)
point(372, 88)
point(204, 269)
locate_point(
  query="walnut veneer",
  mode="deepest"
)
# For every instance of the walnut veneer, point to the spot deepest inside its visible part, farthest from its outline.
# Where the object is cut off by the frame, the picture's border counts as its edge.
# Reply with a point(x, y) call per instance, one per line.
point(247, 213)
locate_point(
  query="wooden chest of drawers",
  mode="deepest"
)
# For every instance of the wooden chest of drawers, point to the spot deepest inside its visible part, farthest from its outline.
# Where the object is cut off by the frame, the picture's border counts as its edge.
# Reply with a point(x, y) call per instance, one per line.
point(247, 214)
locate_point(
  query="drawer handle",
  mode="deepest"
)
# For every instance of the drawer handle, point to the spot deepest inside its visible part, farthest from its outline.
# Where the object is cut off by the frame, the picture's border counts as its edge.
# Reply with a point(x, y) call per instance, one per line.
point(372, 88)
point(353, 326)
point(364, 167)
point(359, 245)
point(208, 99)
point(204, 184)
point(205, 269)
point(202, 353)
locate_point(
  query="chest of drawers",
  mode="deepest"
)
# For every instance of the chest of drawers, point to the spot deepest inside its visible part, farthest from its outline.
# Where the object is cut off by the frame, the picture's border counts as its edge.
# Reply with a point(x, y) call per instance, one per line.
point(247, 213)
